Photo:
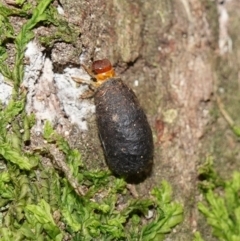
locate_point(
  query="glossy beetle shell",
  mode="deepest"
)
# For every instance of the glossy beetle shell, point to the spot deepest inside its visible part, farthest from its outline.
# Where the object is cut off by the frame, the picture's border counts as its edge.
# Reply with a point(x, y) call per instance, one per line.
point(124, 130)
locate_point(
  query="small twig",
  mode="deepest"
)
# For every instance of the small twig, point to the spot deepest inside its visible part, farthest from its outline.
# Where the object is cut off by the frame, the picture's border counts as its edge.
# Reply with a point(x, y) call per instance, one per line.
point(72, 180)
point(133, 191)
point(224, 112)
point(64, 168)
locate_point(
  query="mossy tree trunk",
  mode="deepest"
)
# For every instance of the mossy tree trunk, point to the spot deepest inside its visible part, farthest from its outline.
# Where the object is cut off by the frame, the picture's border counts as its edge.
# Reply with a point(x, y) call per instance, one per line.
point(174, 54)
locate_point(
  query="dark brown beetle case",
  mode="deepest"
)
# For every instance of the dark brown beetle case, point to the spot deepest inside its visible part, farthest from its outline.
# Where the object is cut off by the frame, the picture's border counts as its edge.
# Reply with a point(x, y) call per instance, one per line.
point(124, 130)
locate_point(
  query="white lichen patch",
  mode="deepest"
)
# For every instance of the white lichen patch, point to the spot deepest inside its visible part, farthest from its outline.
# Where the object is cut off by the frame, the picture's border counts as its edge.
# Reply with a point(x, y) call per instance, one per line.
point(32, 72)
point(53, 96)
point(225, 41)
point(42, 99)
point(69, 93)
point(5, 91)
point(60, 10)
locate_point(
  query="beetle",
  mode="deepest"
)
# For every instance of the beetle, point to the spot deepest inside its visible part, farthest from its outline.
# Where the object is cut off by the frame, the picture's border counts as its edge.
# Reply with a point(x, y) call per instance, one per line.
point(123, 127)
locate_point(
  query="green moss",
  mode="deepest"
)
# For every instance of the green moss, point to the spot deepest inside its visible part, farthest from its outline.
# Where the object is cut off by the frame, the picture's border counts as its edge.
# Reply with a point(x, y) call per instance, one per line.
point(222, 206)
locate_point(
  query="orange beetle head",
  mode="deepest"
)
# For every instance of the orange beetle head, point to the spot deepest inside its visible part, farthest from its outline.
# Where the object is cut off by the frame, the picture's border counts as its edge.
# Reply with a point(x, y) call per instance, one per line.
point(103, 70)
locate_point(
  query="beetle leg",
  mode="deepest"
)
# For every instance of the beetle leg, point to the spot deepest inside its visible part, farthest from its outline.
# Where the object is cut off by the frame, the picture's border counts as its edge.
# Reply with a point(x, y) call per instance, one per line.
point(87, 94)
point(89, 71)
point(79, 80)
point(92, 87)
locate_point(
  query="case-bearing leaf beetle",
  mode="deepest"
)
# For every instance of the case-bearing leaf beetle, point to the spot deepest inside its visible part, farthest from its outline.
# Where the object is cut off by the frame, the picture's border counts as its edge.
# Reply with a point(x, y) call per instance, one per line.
point(122, 124)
